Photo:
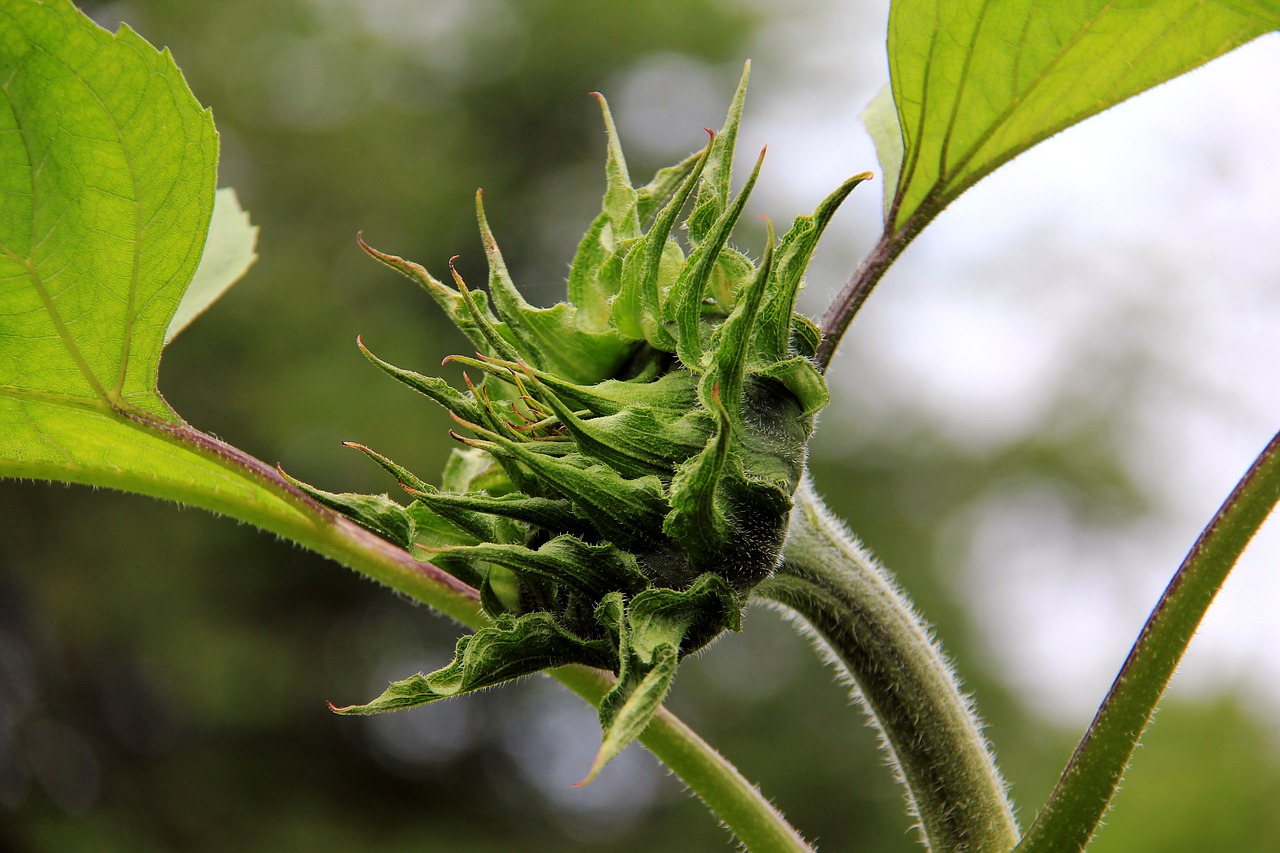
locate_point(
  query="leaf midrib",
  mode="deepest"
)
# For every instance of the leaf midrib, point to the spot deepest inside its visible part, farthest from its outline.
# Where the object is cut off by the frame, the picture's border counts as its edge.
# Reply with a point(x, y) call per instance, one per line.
point(112, 399)
point(59, 325)
point(55, 398)
point(138, 234)
point(33, 274)
point(945, 173)
point(1018, 100)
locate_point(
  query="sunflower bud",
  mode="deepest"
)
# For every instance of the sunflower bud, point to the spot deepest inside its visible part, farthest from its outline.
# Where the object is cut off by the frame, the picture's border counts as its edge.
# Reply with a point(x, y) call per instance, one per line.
point(630, 454)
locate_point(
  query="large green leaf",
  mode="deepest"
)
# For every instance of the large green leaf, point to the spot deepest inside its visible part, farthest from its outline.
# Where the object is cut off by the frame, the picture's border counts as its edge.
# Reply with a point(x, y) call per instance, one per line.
point(976, 82)
point(107, 173)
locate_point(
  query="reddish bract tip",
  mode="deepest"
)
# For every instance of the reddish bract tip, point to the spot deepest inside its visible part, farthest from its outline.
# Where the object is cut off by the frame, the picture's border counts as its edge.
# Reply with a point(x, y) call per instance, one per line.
point(457, 276)
point(596, 767)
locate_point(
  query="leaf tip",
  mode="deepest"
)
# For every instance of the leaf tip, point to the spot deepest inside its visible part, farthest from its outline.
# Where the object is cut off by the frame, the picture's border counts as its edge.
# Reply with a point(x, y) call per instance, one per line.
point(596, 766)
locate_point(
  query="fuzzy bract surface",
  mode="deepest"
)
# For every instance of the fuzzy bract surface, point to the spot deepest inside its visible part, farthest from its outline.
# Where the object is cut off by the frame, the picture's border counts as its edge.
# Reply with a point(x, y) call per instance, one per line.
point(629, 455)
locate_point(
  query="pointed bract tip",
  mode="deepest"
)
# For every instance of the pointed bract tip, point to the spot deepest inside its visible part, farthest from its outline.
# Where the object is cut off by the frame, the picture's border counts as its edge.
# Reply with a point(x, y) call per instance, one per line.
point(292, 481)
point(596, 767)
point(372, 251)
point(457, 276)
point(476, 428)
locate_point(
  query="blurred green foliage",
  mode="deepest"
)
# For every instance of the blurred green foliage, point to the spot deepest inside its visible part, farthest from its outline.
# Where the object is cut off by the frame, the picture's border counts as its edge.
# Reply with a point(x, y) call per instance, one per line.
point(163, 673)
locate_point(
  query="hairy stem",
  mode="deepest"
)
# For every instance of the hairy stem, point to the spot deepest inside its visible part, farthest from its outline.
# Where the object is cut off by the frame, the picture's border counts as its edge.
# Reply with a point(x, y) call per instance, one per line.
point(1083, 793)
point(738, 804)
point(928, 726)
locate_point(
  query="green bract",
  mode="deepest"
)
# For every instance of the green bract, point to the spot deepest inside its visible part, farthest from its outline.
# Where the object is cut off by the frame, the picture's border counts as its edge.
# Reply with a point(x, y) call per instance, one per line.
point(631, 454)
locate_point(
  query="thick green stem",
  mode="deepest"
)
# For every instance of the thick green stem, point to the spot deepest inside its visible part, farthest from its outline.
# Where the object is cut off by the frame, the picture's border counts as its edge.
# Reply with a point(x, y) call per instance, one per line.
point(738, 804)
point(1076, 806)
point(928, 726)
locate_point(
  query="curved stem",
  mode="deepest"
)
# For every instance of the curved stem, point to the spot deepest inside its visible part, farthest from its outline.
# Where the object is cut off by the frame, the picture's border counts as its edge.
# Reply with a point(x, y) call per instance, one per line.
point(300, 519)
point(928, 727)
point(738, 804)
point(744, 810)
point(841, 311)
point(1078, 802)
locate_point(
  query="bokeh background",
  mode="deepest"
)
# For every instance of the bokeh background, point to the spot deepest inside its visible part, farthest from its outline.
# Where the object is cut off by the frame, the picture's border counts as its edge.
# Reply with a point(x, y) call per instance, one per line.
point(1032, 419)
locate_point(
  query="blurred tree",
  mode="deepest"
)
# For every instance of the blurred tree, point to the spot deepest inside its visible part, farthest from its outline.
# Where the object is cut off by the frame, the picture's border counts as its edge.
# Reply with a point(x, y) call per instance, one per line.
point(162, 673)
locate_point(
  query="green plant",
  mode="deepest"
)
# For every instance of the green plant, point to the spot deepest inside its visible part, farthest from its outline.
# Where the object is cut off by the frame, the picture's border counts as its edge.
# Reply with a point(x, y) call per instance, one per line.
point(119, 212)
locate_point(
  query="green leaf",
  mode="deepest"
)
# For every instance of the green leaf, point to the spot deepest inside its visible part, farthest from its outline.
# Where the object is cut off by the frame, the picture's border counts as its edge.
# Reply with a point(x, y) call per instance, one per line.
point(514, 647)
point(624, 718)
point(228, 254)
point(106, 190)
point(565, 560)
point(653, 630)
point(108, 187)
point(980, 81)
